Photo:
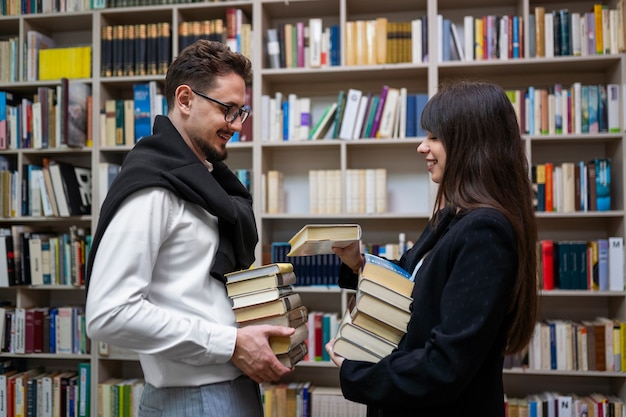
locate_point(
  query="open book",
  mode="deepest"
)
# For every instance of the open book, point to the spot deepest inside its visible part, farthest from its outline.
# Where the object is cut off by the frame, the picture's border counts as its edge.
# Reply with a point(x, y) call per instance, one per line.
point(316, 239)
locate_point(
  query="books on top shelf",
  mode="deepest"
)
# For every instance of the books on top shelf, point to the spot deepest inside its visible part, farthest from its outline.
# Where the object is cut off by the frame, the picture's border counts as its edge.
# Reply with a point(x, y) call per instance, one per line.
point(271, 301)
point(315, 239)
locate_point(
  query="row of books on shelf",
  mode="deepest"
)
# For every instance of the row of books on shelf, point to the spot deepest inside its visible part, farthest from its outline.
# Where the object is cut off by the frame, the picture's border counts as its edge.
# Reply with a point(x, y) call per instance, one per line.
point(356, 114)
point(596, 265)
point(44, 60)
point(303, 399)
point(40, 392)
point(588, 345)
point(236, 32)
point(9, 64)
point(30, 257)
point(572, 186)
point(59, 330)
point(580, 108)
point(57, 117)
point(319, 269)
point(19, 7)
point(303, 44)
point(135, 49)
point(564, 405)
point(119, 397)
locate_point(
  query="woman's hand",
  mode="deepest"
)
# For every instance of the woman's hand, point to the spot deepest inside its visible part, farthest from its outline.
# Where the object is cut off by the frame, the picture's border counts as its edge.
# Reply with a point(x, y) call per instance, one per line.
point(351, 256)
point(337, 360)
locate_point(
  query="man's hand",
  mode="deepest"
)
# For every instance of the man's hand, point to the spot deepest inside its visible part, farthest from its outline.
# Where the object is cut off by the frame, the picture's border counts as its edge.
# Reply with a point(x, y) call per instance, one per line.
point(351, 256)
point(253, 355)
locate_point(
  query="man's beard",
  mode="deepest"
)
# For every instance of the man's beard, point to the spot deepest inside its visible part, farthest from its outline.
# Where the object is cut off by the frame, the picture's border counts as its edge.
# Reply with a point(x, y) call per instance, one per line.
point(210, 153)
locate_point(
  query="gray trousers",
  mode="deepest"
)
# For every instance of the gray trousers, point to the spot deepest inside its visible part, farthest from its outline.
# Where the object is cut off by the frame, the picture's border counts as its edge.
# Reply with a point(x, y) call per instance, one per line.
point(238, 398)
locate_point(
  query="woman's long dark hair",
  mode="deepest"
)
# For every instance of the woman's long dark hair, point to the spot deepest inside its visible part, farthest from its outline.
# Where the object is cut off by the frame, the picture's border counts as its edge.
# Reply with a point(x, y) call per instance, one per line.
point(486, 166)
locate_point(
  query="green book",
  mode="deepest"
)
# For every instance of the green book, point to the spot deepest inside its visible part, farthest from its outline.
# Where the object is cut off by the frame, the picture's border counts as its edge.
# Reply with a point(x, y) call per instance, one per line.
point(371, 116)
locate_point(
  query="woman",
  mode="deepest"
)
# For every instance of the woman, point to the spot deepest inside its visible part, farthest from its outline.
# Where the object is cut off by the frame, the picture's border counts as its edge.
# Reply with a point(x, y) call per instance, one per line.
point(475, 284)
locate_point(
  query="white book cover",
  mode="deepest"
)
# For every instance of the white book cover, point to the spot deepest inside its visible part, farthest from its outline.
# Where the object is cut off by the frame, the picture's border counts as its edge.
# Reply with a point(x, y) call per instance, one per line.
point(313, 191)
point(549, 35)
point(456, 41)
point(401, 115)
point(388, 114)
point(265, 120)
point(277, 132)
point(416, 41)
point(4, 271)
point(360, 116)
point(293, 129)
point(19, 337)
point(36, 270)
point(353, 98)
point(315, 42)
point(503, 40)
point(46, 203)
point(36, 126)
point(304, 105)
point(575, 33)
point(616, 263)
point(569, 187)
point(370, 191)
point(273, 48)
point(468, 37)
point(381, 190)
point(612, 103)
point(576, 87)
point(64, 332)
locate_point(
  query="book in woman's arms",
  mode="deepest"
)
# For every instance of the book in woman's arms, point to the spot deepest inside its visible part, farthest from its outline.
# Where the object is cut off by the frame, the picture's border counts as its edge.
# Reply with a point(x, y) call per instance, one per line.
point(382, 310)
point(352, 351)
point(388, 294)
point(269, 309)
point(317, 239)
point(283, 344)
point(359, 336)
point(387, 274)
point(295, 355)
point(259, 272)
point(292, 318)
point(260, 283)
point(261, 296)
point(382, 329)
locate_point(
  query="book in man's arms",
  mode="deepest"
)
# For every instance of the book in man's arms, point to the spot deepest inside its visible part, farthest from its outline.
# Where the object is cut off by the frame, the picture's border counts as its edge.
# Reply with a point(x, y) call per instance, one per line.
point(269, 309)
point(259, 272)
point(260, 283)
point(262, 296)
point(387, 274)
point(283, 344)
point(317, 239)
point(295, 355)
point(292, 318)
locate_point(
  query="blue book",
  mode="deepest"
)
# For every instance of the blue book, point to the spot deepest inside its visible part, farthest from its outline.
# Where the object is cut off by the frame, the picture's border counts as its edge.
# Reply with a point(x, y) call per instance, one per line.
point(530, 97)
point(335, 45)
point(411, 115)
point(594, 99)
point(53, 329)
point(285, 131)
point(422, 99)
point(387, 264)
point(603, 184)
point(445, 40)
point(141, 98)
point(516, 37)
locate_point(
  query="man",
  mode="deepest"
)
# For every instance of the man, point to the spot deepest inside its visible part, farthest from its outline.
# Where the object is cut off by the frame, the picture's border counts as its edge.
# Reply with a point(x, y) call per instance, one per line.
point(175, 220)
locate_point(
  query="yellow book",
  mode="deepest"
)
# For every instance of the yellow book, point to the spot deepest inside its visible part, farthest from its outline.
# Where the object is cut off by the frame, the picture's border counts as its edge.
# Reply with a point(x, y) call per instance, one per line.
point(597, 14)
point(478, 39)
point(351, 43)
point(381, 40)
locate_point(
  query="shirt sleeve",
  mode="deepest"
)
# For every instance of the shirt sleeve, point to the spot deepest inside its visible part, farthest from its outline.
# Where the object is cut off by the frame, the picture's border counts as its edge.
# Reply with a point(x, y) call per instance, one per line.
point(127, 307)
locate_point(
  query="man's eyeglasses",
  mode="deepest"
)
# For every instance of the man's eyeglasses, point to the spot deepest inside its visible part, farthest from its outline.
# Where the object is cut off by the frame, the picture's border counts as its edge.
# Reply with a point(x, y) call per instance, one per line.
point(232, 112)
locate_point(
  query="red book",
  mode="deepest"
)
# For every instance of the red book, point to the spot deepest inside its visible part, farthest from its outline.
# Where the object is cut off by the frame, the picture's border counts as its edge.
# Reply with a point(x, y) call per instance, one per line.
point(547, 264)
point(319, 342)
point(549, 187)
point(29, 331)
point(38, 330)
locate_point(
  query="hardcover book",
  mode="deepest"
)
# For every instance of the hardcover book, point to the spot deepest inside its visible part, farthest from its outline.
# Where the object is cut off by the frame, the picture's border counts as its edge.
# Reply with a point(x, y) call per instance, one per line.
point(295, 355)
point(387, 274)
point(283, 344)
point(315, 239)
point(234, 289)
point(261, 296)
point(260, 272)
point(292, 318)
point(350, 350)
point(361, 337)
point(271, 308)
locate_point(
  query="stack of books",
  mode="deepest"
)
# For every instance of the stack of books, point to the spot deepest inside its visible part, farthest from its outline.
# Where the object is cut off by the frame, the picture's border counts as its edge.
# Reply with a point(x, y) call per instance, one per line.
point(265, 295)
point(378, 315)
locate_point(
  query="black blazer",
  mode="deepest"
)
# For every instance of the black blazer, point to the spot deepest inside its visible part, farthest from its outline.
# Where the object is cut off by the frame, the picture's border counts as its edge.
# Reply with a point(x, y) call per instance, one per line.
point(450, 360)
